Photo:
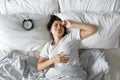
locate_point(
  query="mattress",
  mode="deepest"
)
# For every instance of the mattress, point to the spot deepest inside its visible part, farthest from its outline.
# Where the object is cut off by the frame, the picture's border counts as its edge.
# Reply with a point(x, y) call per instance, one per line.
point(113, 56)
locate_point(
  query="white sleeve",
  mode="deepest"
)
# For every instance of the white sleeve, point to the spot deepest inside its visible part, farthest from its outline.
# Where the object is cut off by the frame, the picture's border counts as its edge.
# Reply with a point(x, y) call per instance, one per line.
point(45, 53)
point(74, 35)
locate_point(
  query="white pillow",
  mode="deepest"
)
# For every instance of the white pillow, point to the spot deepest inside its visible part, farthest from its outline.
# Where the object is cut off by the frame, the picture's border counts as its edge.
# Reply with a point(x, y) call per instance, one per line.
point(90, 5)
point(2, 6)
point(14, 36)
point(108, 32)
point(28, 6)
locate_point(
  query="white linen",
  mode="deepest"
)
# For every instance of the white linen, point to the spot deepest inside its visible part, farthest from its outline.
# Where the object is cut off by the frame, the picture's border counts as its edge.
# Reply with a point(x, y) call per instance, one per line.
point(93, 61)
point(28, 6)
point(14, 36)
point(2, 6)
point(96, 64)
point(108, 24)
point(90, 5)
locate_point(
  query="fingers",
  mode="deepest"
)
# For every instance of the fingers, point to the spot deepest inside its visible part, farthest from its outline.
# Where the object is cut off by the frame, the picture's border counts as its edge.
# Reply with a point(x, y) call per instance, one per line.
point(64, 54)
point(64, 60)
point(65, 22)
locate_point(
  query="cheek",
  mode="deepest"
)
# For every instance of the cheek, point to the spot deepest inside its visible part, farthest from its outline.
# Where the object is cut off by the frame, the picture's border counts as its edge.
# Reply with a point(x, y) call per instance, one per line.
point(52, 30)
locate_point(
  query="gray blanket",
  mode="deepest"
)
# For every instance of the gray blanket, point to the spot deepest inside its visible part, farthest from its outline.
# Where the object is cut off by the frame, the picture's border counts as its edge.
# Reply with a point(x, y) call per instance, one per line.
point(17, 66)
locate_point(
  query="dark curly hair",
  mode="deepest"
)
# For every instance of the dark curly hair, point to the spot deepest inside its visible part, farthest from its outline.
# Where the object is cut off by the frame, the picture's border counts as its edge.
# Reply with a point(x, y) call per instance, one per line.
point(52, 19)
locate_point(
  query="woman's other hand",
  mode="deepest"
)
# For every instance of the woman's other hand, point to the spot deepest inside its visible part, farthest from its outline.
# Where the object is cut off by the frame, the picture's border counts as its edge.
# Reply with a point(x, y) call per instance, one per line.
point(67, 24)
point(60, 58)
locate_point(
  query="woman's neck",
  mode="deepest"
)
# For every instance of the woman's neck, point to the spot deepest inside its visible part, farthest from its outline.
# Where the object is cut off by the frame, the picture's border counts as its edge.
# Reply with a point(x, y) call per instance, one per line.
point(56, 40)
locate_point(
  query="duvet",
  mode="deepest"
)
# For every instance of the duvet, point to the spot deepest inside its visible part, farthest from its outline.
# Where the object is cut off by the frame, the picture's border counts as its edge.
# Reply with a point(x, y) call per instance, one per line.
point(16, 66)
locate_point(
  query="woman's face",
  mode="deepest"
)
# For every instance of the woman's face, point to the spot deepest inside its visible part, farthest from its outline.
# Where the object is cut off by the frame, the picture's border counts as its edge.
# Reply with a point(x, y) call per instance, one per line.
point(57, 28)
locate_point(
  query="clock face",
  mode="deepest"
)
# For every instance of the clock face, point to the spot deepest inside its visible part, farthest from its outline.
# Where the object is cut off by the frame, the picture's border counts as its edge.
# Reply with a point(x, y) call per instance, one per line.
point(27, 24)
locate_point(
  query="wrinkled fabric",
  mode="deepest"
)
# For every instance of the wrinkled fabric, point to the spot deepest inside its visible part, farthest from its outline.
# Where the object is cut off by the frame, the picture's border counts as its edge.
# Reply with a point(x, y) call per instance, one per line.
point(18, 66)
point(68, 72)
point(95, 64)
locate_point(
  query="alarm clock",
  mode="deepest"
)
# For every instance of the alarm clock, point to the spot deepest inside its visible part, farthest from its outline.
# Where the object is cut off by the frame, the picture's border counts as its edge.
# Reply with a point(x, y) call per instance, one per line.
point(27, 24)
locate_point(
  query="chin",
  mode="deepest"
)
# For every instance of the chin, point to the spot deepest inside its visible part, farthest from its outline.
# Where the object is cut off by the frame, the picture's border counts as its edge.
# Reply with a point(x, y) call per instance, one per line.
point(60, 35)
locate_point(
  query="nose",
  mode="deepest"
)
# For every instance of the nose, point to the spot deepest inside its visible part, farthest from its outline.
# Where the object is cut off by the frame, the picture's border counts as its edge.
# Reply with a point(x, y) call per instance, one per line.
point(58, 27)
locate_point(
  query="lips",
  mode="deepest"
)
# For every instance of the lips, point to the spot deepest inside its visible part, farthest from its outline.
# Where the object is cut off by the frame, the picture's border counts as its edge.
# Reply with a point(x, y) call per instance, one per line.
point(59, 31)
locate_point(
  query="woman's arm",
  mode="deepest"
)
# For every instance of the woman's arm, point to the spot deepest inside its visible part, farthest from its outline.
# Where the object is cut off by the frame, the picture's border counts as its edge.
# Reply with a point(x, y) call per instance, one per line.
point(85, 29)
point(44, 63)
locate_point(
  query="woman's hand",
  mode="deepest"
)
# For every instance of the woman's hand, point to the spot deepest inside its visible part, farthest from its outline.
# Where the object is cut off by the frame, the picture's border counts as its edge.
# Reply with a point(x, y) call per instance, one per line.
point(67, 23)
point(60, 58)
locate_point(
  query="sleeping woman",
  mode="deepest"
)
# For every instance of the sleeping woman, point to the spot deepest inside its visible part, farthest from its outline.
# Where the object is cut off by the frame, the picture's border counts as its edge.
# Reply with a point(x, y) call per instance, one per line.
point(62, 52)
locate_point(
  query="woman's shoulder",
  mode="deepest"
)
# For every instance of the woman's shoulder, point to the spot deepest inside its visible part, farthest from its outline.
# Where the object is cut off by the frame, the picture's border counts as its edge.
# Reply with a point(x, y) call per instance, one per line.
point(48, 43)
point(73, 35)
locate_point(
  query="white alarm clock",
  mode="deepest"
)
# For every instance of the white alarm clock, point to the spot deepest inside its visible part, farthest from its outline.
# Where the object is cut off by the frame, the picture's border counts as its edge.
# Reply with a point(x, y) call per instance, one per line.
point(27, 24)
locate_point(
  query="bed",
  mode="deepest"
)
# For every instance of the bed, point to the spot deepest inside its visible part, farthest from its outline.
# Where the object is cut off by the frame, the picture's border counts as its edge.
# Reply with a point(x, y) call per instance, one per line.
point(20, 48)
